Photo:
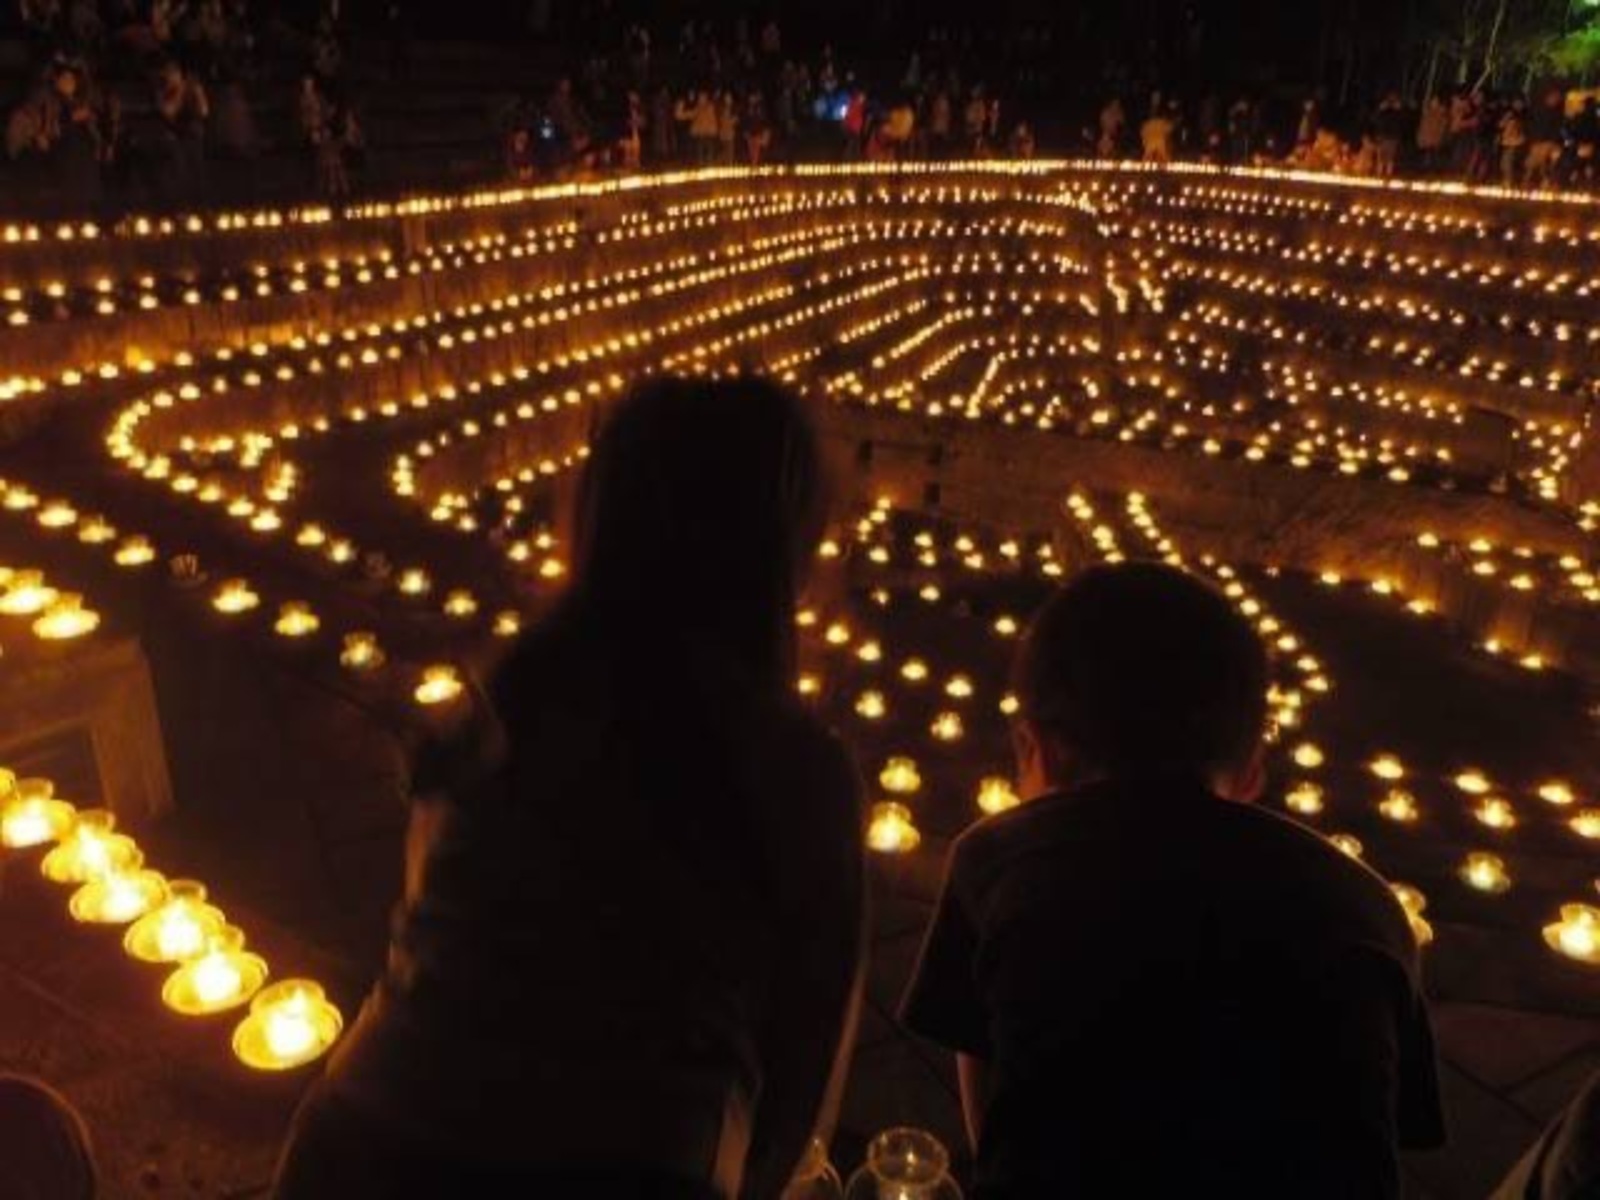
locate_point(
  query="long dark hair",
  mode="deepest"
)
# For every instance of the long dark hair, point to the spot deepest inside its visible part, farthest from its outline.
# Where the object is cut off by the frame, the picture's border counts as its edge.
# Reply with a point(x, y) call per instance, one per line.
point(696, 515)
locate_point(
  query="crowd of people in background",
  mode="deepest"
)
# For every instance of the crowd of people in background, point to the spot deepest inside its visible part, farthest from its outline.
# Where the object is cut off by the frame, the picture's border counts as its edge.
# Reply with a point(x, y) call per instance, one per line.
point(747, 98)
point(130, 102)
point(1550, 140)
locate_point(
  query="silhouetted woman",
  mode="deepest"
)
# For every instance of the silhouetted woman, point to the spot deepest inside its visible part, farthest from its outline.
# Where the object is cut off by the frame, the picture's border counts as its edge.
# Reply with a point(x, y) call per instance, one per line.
point(629, 954)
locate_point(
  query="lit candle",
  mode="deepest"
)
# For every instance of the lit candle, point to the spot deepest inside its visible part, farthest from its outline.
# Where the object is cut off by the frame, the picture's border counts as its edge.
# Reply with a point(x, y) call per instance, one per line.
point(1308, 755)
point(134, 552)
point(1472, 781)
point(26, 594)
point(178, 929)
point(1399, 805)
point(891, 830)
point(290, 1023)
point(460, 604)
point(1495, 812)
point(900, 776)
point(959, 687)
point(1346, 844)
point(219, 976)
point(66, 618)
point(947, 727)
point(1485, 872)
point(361, 652)
point(29, 816)
point(914, 670)
point(414, 581)
point(995, 794)
point(1388, 768)
point(1586, 823)
point(1557, 792)
point(89, 849)
point(1304, 798)
point(440, 685)
point(118, 896)
point(871, 706)
point(234, 597)
point(1576, 934)
point(507, 623)
point(296, 620)
point(1414, 903)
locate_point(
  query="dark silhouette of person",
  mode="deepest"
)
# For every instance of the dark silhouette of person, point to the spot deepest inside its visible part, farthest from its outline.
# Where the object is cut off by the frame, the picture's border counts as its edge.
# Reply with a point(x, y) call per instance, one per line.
point(629, 954)
point(1153, 986)
point(44, 1147)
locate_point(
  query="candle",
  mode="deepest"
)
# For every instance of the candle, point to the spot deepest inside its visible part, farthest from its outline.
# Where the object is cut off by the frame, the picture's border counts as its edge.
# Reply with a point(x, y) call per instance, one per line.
point(871, 706)
point(1304, 798)
point(119, 895)
point(414, 581)
point(29, 816)
point(1485, 872)
point(899, 776)
point(891, 830)
point(1347, 844)
point(1399, 805)
point(947, 727)
point(1308, 755)
point(995, 794)
point(178, 929)
point(220, 976)
point(1586, 823)
point(1557, 792)
point(134, 552)
point(1388, 768)
point(914, 670)
point(460, 604)
point(234, 597)
point(1414, 903)
point(1576, 934)
point(507, 623)
point(290, 1023)
point(1495, 812)
point(959, 687)
point(296, 620)
point(837, 634)
point(66, 618)
point(1472, 781)
point(361, 652)
point(440, 685)
point(89, 849)
point(26, 594)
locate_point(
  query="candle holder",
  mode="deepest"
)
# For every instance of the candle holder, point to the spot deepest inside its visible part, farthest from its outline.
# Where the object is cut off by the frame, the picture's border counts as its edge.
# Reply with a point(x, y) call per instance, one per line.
point(290, 1023)
point(1577, 934)
point(30, 815)
point(178, 929)
point(221, 977)
point(66, 618)
point(904, 1164)
point(120, 895)
point(89, 848)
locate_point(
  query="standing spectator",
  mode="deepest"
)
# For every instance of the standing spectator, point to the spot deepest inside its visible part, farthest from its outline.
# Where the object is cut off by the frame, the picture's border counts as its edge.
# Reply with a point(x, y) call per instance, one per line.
point(940, 122)
point(1155, 135)
point(727, 128)
point(1241, 131)
point(1512, 139)
point(1433, 128)
point(757, 130)
point(699, 114)
point(1540, 168)
point(1388, 129)
point(183, 107)
point(630, 146)
point(705, 899)
point(1113, 123)
point(663, 128)
point(1272, 1040)
point(974, 120)
point(1022, 142)
point(1305, 134)
point(1463, 132)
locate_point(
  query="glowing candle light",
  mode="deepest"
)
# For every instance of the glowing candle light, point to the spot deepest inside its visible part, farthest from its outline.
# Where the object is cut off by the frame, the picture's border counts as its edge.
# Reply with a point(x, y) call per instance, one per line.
point(26, 594)
point(414, 581)
point(178, 929)
point(1495, 812)
point(1005, 625)
point(290, 1023)
point(219, 976)
point(1400, 806)
point(30, 815)
point(947, 726)
point(1346, 844)
point(440, 685)
point(1557, 792)
point(1414, 903)
point(1576, 934)
point(1388, 768)
point(134, 552)
point(1308, 755)
point(58, 514)
point(890, 829)
point(89, 849)
point(1304, 798)
point(234, 597)
point(837, 634)
point(361, 652)
point(914, 670)
point(808, 684)
point(507, 623)
point(1010, 705)
point(871, 706)
point(1472, 781)
point(1586, 823)
point(65, 618)
point(899, 776)
point(460, 604)
point(995, 794)
point(118, 896)
point(1485, 872)
point(959, 687)
point(296, 620)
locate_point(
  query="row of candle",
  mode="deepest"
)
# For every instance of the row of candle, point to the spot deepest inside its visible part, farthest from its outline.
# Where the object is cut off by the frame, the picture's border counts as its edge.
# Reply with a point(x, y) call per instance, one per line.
point(168, 923)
